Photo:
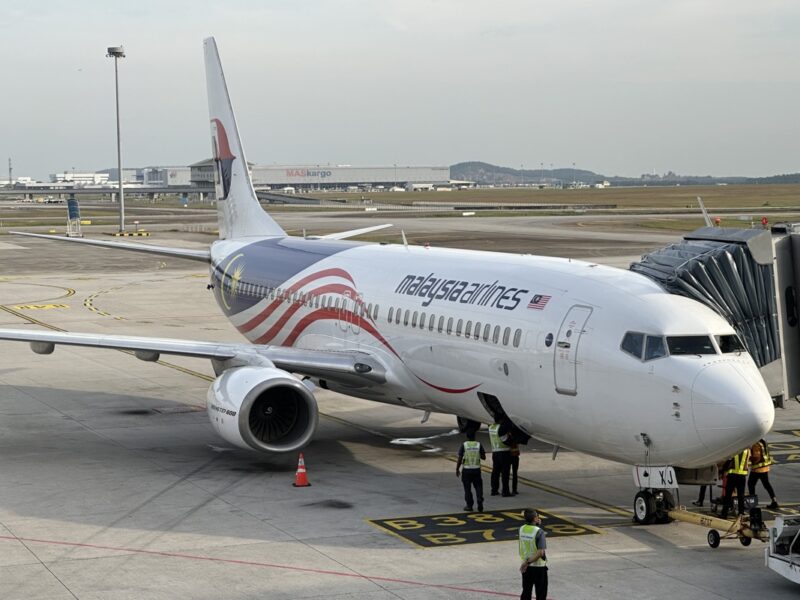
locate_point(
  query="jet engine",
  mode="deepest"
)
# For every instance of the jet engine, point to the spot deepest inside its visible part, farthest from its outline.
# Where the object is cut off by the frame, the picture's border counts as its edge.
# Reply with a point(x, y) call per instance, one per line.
point(262, 408)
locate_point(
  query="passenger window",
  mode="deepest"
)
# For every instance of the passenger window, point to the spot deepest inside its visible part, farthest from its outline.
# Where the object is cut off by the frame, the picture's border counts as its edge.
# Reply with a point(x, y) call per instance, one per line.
point(468, 329)
point(369, 309)
point(486, 329)
point(441, 325)
point(375, 313)
point(517, 337)
point(422, 321)
point(397, 316)
point(690, 344)
point(449, 325)
point(391, 312)
point(506, 335)
point(405, 317)
point(496, 334)
point(730, 343)
point(336, 305)
point(459, 326)
point(654, 348)
point(431, 323)
point(633, 344)
point(414, 319)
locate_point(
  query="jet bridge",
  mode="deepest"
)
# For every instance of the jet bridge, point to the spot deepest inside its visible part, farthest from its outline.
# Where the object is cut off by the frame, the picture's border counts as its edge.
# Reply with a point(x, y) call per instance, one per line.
point(750, 277)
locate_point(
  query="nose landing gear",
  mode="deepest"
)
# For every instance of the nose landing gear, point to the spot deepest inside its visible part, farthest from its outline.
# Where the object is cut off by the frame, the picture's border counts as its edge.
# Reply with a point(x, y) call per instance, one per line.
point(653, 506)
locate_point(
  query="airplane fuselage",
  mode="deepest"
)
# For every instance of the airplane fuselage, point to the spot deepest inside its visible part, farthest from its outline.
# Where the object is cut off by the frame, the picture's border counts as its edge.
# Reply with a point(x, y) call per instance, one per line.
point(540, 335)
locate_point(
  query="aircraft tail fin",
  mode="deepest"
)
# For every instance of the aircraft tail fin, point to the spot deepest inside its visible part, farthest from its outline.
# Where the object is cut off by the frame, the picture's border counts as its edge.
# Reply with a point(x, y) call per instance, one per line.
point(238, 210)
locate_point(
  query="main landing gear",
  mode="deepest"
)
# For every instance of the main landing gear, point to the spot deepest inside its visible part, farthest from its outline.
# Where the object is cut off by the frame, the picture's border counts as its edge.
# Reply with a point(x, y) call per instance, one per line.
point(653, 506)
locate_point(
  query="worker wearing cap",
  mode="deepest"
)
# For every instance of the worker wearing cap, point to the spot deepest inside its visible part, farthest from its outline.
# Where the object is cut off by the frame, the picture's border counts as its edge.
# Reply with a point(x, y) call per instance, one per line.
point(532, 553)
point(738, 466)
point(470, 455)
point(501, 460)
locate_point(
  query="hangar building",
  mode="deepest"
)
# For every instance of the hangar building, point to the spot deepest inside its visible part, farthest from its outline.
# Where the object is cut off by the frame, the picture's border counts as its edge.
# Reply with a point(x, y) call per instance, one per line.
point(325, 177)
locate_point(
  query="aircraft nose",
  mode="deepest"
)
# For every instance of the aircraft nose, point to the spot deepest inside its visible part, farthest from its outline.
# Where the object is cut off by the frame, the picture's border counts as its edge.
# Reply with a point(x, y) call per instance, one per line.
point(732, 407)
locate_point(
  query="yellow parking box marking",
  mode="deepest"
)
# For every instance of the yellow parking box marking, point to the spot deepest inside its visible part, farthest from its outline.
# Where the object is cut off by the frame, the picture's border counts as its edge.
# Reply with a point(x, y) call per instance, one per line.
point(431, 531)
point(40, 306)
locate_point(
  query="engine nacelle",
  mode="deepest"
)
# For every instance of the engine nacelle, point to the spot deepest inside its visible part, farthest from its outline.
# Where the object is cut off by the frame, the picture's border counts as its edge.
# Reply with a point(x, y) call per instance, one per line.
point(262, 408)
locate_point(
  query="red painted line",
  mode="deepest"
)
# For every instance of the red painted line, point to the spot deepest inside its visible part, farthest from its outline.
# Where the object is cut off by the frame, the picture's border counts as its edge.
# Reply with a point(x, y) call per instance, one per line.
point(251, 563)
point(449, 390)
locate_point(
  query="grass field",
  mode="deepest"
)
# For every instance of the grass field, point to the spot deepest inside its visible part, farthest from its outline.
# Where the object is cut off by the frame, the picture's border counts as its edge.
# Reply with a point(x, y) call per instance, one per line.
point(716, 196)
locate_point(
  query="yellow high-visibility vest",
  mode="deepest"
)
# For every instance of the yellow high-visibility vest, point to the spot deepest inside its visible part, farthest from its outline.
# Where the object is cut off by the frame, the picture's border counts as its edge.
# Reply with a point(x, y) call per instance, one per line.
point(527, 545)
point(766, 458)
point(494, 438)
point(740, 463)
point(472, 455)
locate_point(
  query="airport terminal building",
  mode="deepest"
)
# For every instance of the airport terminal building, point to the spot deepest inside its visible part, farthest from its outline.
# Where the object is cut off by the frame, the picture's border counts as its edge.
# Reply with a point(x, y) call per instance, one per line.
point(303, 178)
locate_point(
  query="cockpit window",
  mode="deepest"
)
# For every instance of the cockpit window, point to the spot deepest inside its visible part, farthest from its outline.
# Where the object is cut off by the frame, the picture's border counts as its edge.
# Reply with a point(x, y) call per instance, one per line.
point(654, 348)
point(730, 343)
point(690, 344)
point(633, 344)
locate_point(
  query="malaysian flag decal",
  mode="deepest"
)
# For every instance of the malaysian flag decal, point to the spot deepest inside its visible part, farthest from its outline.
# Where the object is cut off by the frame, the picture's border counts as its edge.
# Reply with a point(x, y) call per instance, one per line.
point(539, 301)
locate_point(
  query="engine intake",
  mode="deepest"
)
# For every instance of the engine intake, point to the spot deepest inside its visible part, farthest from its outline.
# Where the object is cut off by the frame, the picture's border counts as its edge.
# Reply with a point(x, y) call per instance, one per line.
point(262, 408)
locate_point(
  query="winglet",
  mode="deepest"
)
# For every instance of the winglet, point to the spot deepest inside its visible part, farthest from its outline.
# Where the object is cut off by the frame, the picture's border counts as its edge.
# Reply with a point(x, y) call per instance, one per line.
point(705, 212)
point(238, 209)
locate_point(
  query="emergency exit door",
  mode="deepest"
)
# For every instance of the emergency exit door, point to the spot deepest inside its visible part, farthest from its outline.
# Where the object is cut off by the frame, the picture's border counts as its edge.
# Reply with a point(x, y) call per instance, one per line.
point(565, 363)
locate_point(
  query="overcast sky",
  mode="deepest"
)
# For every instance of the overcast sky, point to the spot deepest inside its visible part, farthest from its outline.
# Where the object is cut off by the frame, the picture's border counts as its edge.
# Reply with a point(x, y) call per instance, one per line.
point(620, 87)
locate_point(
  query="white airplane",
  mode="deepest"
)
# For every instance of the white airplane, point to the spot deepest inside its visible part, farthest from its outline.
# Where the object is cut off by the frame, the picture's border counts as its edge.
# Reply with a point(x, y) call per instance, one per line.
point(591, 358)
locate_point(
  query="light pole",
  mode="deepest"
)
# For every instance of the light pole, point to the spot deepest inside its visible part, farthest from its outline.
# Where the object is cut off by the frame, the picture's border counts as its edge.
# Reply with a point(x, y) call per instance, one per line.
point(117, 52)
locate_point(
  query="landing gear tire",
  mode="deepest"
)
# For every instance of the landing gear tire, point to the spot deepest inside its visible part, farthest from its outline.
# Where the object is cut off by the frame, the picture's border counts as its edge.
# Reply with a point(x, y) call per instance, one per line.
point(745, 541)
point(644, 508)
point(465, 424)
point(713, 538)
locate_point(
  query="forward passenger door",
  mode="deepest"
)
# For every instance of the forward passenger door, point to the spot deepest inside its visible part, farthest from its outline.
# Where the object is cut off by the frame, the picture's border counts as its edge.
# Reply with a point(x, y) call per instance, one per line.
point(565, 363)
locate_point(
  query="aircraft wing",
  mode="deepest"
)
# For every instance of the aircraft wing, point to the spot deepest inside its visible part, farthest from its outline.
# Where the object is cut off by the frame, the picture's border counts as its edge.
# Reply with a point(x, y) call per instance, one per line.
point(351, 367)
point(201, 255)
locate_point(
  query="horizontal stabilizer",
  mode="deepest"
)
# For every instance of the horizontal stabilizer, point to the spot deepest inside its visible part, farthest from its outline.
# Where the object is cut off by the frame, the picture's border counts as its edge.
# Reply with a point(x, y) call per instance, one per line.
point(201, 255)
point(343, 235)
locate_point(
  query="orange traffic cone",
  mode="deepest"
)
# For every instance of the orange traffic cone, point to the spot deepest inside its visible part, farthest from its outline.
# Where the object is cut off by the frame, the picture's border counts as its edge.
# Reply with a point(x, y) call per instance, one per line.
point(300, 478)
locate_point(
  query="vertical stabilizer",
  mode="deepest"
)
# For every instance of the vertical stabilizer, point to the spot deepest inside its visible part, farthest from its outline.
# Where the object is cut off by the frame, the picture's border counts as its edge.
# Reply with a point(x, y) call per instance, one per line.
point(238, 209)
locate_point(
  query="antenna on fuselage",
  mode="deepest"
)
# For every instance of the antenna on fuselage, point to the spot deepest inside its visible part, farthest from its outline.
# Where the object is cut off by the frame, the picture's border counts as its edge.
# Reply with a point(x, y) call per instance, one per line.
point(405, 241)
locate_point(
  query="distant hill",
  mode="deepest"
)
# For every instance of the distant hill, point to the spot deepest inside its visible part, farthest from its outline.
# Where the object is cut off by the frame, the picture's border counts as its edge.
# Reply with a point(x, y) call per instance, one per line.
point(488, 174)
point(788, 178)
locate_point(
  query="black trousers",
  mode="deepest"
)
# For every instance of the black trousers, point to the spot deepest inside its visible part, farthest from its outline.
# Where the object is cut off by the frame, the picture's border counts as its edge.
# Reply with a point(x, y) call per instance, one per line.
point(501, 471)
point(472, 478)
point(733, 482)
point(763, 478)
point(534, 577)
point(514, 472)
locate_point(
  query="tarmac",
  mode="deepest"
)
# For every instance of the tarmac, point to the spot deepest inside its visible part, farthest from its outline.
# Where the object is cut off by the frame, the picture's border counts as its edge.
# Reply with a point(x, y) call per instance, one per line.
point(113, 484)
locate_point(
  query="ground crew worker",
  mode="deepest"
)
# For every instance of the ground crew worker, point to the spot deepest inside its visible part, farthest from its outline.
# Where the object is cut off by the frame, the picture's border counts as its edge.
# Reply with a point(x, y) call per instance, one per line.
point(532, 553)
point(501, 460)
point(760, 461)
point(514, 468)
point(736, 479)
point(470, 455)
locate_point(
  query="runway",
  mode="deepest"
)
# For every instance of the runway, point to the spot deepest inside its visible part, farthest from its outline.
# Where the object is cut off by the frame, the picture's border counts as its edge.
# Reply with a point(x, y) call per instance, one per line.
point(115, 486)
